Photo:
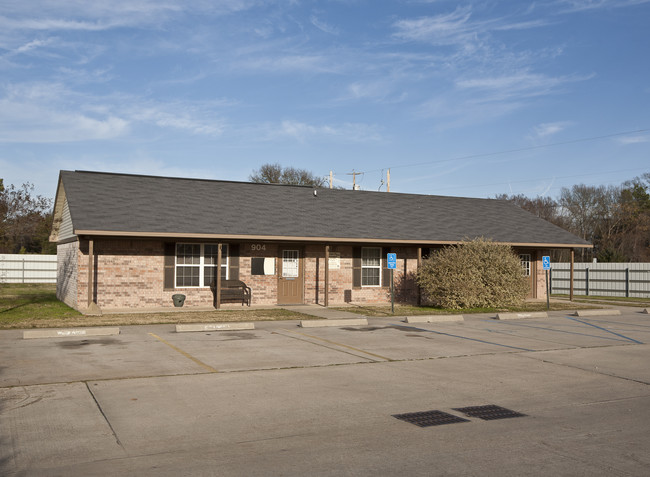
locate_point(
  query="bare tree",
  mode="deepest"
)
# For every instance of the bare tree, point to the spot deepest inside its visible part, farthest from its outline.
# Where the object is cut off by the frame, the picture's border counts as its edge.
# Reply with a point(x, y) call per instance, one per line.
point(276, 174)
point(543, 207)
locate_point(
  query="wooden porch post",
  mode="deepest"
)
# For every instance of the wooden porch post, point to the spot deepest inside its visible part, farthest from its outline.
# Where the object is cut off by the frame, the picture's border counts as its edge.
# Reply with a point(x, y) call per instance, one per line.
point(327, 275)
point(91, 270)
point(571, 277)
point(218, 277)
point(419, 264)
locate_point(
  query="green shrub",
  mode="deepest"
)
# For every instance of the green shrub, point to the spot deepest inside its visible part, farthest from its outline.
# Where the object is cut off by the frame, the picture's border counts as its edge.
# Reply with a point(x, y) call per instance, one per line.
point(478, 273)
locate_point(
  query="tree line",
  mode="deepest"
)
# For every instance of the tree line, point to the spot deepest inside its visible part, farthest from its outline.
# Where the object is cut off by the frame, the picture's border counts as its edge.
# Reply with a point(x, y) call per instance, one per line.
point(615, 219)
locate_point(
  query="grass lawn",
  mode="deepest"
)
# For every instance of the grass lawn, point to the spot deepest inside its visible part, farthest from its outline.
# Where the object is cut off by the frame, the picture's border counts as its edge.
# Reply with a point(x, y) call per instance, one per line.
point(36, 306)
point(631, 301)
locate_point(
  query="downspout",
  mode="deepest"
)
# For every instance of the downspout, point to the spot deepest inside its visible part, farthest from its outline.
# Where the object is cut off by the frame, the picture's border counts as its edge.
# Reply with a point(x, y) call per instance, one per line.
point(93, 308)
point(571, 276)
point(218, 277)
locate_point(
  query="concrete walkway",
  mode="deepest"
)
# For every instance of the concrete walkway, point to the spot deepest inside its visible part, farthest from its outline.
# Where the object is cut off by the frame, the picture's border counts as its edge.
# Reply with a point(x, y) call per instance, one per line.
point(322, 312)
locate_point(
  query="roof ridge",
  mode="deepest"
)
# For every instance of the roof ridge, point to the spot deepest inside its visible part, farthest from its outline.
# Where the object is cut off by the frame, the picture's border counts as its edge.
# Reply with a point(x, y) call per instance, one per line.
point(153, 176)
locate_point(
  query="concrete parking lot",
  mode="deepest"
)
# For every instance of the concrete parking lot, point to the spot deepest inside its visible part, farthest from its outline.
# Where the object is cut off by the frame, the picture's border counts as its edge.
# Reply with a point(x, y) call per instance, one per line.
point(283, 400)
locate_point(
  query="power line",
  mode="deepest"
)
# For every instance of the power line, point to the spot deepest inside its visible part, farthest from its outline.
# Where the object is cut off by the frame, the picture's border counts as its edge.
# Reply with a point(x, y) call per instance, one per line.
point(544, 179)
point(510, 151)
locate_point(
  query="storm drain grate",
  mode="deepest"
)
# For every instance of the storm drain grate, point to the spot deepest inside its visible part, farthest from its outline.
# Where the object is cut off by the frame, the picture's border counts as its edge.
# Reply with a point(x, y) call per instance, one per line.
point(429, 418)
point(489, 412)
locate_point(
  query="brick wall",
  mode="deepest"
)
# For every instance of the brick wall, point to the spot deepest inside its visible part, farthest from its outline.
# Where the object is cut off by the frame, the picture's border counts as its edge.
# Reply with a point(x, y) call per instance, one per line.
point(130, 274)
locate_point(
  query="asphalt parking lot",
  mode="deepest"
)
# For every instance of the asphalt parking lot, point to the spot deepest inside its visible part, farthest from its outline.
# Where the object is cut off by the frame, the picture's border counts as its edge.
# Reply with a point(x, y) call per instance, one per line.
point(283, 400)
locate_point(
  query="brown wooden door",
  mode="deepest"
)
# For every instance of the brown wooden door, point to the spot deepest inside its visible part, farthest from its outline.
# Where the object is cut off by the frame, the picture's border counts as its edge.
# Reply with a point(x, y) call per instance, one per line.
point(290, 278)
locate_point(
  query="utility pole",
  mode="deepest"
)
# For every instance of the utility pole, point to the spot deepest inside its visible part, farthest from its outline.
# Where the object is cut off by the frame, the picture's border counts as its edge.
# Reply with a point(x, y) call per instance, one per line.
point(354, 178)
point(388, 181)
point(331, 180)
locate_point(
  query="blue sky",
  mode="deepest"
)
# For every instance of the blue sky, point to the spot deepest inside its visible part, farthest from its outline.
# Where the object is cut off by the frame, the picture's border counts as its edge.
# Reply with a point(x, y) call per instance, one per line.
point(468, 98)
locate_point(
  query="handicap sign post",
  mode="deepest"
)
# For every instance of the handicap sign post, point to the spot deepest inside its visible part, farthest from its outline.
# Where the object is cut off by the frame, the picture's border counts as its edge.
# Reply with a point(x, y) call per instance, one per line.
point(546, 265)
point(391, 262)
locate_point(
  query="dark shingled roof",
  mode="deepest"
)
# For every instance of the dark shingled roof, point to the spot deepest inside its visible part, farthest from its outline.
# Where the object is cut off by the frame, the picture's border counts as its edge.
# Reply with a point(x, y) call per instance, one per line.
point(164, 206)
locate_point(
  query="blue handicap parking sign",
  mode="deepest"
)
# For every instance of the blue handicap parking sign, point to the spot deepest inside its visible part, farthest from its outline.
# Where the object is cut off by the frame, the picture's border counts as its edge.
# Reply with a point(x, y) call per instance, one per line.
point(391, 259)
point(546, 262)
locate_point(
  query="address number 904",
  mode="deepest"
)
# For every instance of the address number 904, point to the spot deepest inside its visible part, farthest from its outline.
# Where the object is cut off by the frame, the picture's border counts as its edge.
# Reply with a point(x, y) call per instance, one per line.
point(258, 246)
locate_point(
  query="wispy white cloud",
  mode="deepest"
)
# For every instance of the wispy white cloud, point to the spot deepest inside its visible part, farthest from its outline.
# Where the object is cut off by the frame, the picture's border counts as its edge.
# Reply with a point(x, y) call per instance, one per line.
point(381, 91)
point(304, 132)
point(582, 5)
point(50, 113)
point(625, 140)
point(20, 122)
point(32, 45)
point(444, 29)
point(518, 85)
point(323, 26)
point(309, 63)
point(545, 130)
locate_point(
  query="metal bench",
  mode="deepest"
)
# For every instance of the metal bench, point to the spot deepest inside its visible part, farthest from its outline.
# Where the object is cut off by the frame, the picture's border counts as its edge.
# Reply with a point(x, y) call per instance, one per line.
point(231, 290)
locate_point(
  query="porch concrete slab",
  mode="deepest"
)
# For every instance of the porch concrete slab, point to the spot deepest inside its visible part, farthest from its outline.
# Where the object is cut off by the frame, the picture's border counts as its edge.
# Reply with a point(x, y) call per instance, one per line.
point(516, 316)
point(432, 318)
point(331, 322)
point(607, 312)
point(193, 327)
point(70, 332)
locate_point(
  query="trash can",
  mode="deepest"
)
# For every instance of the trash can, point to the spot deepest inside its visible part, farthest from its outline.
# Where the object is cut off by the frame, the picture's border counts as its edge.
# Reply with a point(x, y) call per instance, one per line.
point(178, 300)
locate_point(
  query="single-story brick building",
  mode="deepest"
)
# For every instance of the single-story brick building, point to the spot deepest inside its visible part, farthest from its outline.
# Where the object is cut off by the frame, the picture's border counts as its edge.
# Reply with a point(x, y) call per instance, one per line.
point(132, 241)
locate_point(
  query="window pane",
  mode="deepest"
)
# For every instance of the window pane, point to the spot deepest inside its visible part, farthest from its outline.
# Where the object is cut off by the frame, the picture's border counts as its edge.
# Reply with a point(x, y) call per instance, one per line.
point(187, 276)
point(208, 274)
point(370, 257)
point(525, 263)
point(370, 276)
point(290, 263)
point(211, 252)
point(188, 254)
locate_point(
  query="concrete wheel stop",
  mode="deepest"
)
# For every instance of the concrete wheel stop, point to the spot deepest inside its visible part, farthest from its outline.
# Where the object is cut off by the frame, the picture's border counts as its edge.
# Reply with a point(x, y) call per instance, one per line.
point(344, 322)
point(433, 318)
point(519, 315)
point(71, 332)
point(597, 312)
point(189, 327)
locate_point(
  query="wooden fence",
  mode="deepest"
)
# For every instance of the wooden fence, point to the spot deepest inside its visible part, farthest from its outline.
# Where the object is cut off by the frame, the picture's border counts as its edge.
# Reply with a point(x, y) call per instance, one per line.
point(27, 268)
point(602, 279)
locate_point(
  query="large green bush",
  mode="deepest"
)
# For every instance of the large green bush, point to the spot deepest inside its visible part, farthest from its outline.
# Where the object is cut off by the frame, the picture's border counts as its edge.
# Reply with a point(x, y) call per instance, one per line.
point(478, 273)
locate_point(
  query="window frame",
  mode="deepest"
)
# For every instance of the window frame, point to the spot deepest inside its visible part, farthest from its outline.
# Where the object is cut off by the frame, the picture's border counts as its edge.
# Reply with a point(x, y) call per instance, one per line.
point(371, 267)
point(526, 263)
point(203, 263)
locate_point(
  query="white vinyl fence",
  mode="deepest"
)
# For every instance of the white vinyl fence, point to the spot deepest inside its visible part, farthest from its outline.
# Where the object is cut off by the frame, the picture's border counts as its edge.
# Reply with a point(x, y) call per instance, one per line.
point(602, 279)
point(27, 268)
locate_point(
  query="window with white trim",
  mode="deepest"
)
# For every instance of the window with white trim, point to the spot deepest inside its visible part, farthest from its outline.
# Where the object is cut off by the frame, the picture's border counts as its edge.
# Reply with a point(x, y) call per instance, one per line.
point(525, 263)
point(196, 264)
point(371, 266)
